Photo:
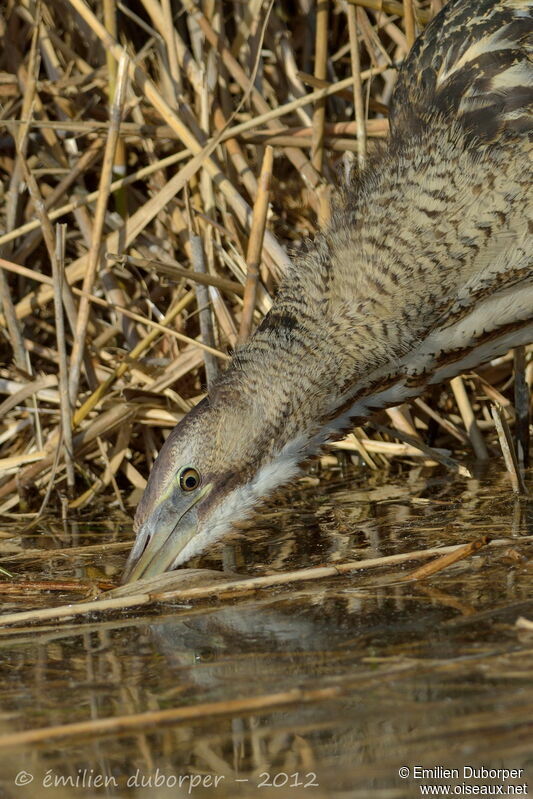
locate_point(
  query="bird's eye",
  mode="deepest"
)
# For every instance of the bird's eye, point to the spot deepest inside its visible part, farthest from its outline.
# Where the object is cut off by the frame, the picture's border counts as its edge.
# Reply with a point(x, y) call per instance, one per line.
point(189, 478)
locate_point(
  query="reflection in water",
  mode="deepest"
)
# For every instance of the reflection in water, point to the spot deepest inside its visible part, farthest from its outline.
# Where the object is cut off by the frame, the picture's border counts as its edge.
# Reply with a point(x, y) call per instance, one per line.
point(432, 674)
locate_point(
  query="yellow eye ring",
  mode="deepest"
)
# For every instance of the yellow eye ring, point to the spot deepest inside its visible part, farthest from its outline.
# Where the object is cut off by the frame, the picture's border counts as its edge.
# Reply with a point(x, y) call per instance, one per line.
point(189, 478)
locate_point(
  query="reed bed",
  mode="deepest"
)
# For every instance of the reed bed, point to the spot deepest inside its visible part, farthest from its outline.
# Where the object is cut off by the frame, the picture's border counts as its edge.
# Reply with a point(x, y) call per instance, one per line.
point(160, 161)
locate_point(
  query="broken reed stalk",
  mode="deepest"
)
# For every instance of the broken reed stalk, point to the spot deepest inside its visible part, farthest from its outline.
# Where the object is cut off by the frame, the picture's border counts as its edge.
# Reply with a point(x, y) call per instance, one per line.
point(508, 450)
point(448, 559)
point(30, 243)
point(270, 115)
point(13, 330)
point(22, 357)
point(255, 245)
point(300, 162)
point(58, 266)
point(431, 452)
point(94, 255)
point(170, 38)
point(441, 420)
point(469, 419)
point(48, 236)
point(236, 154)
point(29, 587)
point(202, 300)
point(175, 271)
point(332, 142)
point(521, 404)
point(136, 223)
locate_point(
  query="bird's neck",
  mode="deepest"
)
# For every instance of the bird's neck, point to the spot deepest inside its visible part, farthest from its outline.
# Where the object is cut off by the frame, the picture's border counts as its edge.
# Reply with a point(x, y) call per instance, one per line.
point(363, 319)
point(290, 386)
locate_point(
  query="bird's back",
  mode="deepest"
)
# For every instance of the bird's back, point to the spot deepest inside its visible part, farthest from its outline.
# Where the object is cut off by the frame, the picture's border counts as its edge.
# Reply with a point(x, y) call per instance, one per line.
point(430, 253)
point(473, 65)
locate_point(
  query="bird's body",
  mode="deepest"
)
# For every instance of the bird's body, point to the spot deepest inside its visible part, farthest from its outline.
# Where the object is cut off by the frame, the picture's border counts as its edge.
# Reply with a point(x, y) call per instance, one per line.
point(424, 271)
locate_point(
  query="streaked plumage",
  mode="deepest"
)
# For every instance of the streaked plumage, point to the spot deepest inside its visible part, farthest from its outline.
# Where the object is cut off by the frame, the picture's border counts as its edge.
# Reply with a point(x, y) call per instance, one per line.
point(424, 271)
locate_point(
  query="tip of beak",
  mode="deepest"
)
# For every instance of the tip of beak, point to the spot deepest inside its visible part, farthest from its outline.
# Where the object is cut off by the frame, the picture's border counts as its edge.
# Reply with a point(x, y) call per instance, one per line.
point(159, 554)
point(126, 574)
point(133, 558)
point(159, 543)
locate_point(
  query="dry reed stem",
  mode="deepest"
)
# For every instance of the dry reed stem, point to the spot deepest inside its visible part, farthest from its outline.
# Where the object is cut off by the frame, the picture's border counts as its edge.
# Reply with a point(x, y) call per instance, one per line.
point(11, 322)
point(67, 552)
point(146, 592)
point(15, 461)
point(469, 419)
point(21, 356)
point(173, 270)
point(29, 587)
point(20, 394)
point(334, 143)
point(89, 198)
point(391, 7)
point(409, 20)
point(76, 270)
point(508, 450)
point(58, 267)
point(447, 560)
point(168, 32)
point(125, 725)
point(402, 420)
point(321, 58)
point(359, 106)
point(156, 326)
point(143, 345)
point(455, 431)
point(521, 404)
point(83, 164)
point(431, 452)
point(301, 163)
point(270, 115)
point(94, 254)
point(232, 132)
point(202, 299)
point(239, 206)
point(255, 245)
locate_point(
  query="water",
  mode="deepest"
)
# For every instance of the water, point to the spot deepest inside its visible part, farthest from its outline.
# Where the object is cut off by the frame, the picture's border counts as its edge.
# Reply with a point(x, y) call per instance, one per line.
point(326, 688)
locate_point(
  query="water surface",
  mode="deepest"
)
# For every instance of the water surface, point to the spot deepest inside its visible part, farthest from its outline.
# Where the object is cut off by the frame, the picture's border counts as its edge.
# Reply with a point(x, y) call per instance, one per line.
point(378, 674)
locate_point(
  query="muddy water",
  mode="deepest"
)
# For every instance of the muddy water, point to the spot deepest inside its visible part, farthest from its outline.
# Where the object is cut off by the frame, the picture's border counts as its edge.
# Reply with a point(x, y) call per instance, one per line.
point(362, 685)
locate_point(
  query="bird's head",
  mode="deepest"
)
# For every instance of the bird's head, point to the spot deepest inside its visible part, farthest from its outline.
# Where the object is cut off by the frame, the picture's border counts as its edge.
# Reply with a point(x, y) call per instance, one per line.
point(211, 471)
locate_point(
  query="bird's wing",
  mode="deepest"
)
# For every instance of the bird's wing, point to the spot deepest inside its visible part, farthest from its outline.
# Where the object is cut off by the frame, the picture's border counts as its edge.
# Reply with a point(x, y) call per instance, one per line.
point(474, 64)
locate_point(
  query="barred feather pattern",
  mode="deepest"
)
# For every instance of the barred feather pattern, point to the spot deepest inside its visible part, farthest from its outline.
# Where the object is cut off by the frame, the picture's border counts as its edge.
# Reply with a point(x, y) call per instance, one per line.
point(473, 64)
point(430, 257)
point(425, 270)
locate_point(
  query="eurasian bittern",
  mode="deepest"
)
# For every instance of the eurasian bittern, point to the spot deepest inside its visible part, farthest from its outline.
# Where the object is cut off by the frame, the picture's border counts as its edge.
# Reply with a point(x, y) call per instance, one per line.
point(422, 273)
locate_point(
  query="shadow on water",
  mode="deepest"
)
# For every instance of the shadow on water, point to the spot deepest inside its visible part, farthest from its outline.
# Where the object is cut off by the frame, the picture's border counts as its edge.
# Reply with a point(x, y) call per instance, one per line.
point(380, 675)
